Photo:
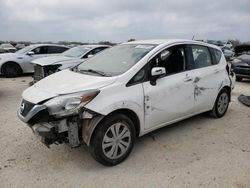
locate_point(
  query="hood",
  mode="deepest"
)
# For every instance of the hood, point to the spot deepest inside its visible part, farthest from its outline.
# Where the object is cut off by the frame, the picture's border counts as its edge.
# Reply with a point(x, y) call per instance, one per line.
point(64, 82)
point(242, 60)
point(244, 57)
point(60, 59)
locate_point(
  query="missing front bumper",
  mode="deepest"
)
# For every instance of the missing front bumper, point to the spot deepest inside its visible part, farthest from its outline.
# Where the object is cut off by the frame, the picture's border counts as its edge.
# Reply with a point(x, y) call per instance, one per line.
point(49, 134)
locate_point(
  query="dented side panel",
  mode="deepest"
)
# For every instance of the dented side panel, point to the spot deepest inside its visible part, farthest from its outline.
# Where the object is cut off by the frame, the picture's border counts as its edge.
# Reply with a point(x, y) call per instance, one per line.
point(170, 99)
point(118, 96)
point(208, 83)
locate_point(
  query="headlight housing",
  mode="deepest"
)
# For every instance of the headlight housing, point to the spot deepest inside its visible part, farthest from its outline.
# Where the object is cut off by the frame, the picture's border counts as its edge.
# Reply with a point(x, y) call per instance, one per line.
point(66, 105)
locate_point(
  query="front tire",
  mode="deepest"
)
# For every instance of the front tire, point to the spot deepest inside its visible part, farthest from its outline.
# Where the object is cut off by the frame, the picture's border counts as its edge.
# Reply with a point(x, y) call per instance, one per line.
point(221, 104)
point(11, 69)
point(113, 140)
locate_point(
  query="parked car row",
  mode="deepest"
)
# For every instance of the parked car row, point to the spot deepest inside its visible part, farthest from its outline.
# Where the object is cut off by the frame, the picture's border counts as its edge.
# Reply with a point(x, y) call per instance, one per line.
point(15, 64)
point(5, 48)
point(45, 59)
point(125, 92)
point(241, 62)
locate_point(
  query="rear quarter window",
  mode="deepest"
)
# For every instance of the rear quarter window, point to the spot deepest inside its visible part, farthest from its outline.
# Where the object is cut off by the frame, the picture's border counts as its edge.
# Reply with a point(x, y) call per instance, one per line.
point(56, 49)
point(216, 55)
point(201, 56)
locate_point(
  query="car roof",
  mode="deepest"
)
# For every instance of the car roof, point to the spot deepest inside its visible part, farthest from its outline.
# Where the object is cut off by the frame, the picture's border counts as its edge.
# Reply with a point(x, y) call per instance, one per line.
point(155, 41)
point(38, 45)
point(170, 41)
point(94, 46)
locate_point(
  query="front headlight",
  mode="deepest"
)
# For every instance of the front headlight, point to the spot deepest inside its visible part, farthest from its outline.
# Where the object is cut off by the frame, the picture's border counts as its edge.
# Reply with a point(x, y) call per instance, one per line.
point(70, 104)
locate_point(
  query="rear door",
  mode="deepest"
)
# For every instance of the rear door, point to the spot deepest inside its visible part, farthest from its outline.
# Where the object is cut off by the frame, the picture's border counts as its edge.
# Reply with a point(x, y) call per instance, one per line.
point(207, 78)
point(54, 50)
point(172, 96)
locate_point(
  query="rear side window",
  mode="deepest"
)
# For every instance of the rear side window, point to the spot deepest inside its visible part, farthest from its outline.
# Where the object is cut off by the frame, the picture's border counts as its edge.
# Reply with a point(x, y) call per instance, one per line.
point(201, 56)
point(216, 55)
point(56, 49)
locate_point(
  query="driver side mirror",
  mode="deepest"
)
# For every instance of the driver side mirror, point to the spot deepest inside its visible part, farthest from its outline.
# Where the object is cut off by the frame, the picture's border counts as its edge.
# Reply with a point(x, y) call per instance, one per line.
point(156, 73)
point(30, 53)
point(90, 55)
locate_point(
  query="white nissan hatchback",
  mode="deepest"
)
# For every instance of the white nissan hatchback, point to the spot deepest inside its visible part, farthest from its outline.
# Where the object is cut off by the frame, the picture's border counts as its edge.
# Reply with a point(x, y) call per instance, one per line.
point(125, 92)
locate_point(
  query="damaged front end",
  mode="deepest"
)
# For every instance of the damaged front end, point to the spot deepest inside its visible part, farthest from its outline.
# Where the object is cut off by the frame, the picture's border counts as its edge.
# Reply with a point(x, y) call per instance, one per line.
point(62, 119)
point(41, 72)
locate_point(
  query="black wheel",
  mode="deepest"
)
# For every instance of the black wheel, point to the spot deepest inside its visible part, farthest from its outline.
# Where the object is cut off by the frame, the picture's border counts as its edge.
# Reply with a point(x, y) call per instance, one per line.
point(11, 69)
point(221, 104)
point(238, 79)
point(113, 140)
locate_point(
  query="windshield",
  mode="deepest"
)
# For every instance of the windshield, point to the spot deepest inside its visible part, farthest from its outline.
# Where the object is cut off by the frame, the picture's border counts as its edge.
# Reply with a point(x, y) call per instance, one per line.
point(116, 60)
point(24, 50)
point(76, 51)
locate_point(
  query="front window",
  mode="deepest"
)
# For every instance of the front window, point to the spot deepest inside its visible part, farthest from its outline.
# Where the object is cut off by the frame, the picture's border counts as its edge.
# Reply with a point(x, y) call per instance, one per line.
point(41, 50)
point(76, 51)
point(172, 59)
point(115, 61)
point(24, 50)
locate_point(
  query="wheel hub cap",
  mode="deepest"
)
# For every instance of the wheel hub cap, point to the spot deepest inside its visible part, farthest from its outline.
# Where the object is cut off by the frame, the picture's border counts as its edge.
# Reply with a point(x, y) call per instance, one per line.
point(222, 103)
point(116, 141)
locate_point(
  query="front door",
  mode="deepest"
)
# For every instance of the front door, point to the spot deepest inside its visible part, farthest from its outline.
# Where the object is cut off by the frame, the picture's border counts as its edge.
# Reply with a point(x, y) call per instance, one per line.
point(172, 97)
point(39, 52)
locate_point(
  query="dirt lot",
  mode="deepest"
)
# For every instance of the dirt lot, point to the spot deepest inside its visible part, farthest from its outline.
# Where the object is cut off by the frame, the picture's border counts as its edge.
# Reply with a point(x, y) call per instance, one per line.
point(198, 152)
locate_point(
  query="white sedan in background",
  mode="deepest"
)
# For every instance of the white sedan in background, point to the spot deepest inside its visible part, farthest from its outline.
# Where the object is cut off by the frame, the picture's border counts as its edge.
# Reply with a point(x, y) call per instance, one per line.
point(15, 64)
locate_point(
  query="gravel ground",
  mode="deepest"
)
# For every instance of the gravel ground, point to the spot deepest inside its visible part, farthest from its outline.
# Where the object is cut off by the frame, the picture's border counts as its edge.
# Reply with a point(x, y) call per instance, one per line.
point(198, 152)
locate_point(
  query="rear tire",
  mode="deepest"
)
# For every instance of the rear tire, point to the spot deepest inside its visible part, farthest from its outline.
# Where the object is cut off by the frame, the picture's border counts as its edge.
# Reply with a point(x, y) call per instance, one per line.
point(221, 104)
point(113, 140)
point(238, 79)
point(11, 70)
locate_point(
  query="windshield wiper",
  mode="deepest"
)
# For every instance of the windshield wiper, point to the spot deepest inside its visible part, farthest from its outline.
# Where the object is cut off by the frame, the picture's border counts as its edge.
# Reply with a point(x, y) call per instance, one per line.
point(94, 71)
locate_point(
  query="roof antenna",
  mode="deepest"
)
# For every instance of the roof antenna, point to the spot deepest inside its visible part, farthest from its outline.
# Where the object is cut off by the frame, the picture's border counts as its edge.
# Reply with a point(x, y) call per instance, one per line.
point(193, 37)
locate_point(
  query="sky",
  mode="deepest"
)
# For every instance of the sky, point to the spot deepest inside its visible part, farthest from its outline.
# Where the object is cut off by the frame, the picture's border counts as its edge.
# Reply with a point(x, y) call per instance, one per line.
point(120, 20)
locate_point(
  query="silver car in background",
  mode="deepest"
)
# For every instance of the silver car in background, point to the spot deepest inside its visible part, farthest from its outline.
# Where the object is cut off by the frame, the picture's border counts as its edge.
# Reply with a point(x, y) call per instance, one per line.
point(68, 59)
point(15, 64)
point(5, 48)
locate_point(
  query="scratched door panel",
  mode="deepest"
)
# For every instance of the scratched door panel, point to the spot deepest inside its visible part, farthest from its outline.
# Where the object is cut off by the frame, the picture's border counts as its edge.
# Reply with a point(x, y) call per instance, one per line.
point(170, 99)
point(205, 92)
